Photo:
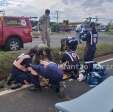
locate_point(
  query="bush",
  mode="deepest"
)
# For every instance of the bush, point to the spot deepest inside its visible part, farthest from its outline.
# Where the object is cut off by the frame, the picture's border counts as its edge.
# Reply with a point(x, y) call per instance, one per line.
point(7, 58)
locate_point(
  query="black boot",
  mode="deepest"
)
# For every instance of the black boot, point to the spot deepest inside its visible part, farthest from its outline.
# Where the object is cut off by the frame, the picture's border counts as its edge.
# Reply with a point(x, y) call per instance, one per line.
point(16, 86)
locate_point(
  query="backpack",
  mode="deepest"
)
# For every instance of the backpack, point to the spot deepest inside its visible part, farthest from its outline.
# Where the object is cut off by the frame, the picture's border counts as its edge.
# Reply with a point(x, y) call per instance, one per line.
point(99, 69)
point(93, 79)
point(96, 76)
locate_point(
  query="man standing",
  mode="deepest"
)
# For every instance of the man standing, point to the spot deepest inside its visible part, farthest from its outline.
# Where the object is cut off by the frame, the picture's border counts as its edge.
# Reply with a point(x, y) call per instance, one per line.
point(44, 27)
point(90, 36)
point(91, 41)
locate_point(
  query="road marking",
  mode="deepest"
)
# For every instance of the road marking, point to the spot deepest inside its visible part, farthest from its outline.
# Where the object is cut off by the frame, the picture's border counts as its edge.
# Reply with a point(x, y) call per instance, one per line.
point(101, 62)
point(26, 86)
point(12, 91)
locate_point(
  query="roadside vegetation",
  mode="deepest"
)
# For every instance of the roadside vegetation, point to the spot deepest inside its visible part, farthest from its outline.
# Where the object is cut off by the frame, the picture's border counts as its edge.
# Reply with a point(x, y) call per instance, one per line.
point(109, 33)
point(7, 58)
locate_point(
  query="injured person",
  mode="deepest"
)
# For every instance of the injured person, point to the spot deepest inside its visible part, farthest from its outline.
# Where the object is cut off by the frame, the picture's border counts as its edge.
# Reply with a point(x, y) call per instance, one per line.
point(47, 69)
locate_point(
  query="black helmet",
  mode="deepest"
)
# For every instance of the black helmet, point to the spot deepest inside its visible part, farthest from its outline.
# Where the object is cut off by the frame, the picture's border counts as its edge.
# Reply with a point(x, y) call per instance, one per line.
point(72, 43)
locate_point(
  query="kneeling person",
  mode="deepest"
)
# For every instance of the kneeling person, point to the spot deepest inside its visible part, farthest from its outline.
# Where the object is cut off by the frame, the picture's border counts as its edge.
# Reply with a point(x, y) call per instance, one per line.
point(70, 59)
point(20, 73)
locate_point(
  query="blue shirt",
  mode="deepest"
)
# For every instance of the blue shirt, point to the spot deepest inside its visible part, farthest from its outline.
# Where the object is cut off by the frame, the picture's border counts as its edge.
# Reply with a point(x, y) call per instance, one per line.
point(51, 71)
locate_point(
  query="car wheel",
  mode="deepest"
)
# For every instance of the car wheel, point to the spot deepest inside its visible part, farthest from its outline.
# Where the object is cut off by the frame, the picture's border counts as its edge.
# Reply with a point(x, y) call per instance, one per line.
point(13, 44)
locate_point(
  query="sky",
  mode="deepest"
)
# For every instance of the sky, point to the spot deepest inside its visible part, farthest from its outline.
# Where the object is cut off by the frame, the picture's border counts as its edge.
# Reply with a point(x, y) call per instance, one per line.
point(74, 10)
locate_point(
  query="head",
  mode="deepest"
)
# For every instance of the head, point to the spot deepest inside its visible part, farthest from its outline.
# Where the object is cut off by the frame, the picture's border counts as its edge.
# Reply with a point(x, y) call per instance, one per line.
point(43, 54)
point(69, 43)
point(47, 12)
point(72, 44)
point(32, 51)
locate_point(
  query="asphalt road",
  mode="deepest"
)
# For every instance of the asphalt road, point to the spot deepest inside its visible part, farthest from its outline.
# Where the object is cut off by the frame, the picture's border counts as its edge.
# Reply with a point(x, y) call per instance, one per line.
point(27, 101)
point(55, 39)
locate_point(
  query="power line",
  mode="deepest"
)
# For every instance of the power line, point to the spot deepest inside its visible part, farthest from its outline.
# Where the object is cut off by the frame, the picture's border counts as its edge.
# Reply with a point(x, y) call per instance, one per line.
point(57, 16)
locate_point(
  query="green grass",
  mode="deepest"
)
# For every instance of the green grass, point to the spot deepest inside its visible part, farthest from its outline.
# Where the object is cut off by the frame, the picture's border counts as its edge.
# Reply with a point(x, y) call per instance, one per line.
point(7, 58)
point(108, 33)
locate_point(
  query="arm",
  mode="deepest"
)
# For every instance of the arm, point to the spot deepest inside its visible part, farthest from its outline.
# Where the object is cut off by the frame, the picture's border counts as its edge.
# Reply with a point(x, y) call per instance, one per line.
point(19, 66)
point(32, 71)
point(65, 60)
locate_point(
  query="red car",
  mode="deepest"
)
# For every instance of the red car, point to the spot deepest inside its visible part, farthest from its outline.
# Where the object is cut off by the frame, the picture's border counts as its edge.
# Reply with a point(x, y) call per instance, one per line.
point(14, 32)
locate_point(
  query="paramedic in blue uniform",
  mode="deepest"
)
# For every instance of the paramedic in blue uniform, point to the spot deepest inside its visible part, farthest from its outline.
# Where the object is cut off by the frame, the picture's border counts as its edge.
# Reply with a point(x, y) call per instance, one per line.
point(90, 36)
point(70, 58)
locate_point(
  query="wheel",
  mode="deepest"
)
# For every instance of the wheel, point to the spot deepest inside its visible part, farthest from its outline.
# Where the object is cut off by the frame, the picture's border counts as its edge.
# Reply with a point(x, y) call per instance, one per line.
point(13, 44)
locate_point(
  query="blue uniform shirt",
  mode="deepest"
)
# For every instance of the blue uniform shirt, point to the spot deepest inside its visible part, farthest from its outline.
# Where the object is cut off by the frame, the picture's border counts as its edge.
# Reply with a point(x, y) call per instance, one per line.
point(91, 37)
point(51, 71)
point(72, 61)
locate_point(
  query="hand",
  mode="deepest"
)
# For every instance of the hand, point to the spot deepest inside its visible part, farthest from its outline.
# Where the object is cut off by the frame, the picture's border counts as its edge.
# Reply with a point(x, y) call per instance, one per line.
point(24, 70)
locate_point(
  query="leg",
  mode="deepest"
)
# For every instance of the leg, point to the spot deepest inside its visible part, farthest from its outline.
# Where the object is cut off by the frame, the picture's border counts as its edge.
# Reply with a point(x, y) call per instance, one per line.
point(43, 37)
point(88, 59)
point(56, 87)
point(36, 83)
point(35, 80)
point(48, 39)
point(89, 53)
point(19, 80)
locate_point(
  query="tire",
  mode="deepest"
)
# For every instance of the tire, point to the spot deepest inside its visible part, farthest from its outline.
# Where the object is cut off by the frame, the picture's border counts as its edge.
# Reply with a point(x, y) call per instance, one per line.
point(13, 44)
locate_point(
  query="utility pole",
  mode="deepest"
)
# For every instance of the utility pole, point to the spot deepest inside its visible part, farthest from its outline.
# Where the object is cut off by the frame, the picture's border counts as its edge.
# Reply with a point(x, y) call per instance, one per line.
point(57, 16)
point(3, 3)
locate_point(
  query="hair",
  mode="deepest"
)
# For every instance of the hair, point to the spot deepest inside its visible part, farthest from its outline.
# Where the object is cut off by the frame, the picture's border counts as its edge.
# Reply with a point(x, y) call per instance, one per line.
point(43, 53)
point(47, 11)
point(33, 51)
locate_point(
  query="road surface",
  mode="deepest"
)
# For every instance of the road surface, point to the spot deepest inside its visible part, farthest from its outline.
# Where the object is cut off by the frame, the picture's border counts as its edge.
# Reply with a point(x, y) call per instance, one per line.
point(55, 39)
point(27, 101)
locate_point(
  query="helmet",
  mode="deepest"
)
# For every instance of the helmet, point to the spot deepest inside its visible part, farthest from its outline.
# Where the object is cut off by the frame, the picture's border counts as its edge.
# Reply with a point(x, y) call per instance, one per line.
point(72, 43)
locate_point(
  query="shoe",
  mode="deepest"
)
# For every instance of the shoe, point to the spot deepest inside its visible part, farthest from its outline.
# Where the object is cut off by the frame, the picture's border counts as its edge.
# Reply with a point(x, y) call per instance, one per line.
point(9, 80)
point(35, 88)
point(16, 86)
